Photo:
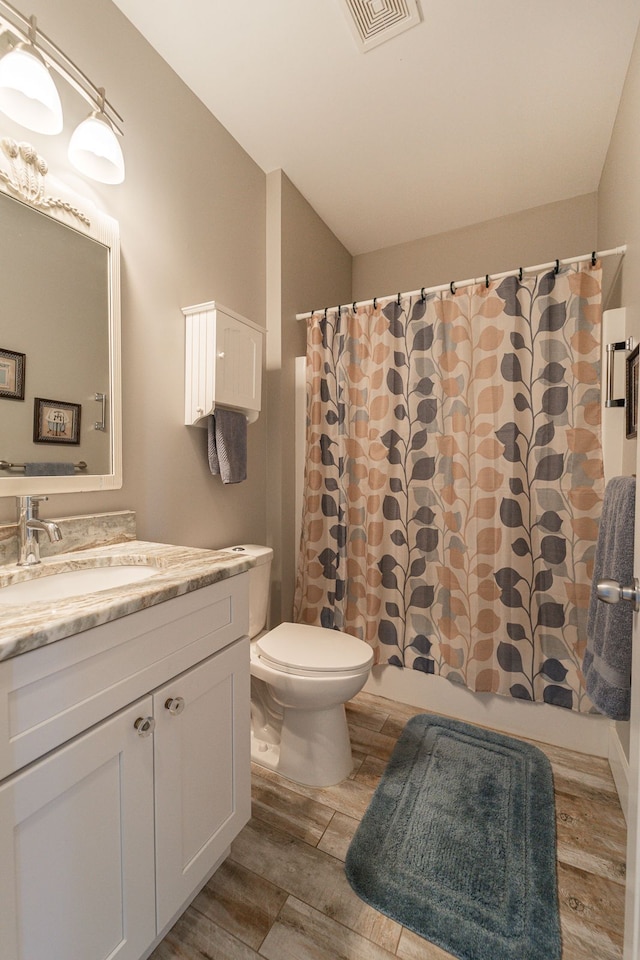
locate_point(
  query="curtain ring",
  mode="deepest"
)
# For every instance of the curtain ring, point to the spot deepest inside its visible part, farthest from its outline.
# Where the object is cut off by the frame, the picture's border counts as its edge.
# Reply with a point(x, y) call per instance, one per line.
point(520, 274)
point(452, 288)
point(594, 259)
point(486, 281)
point(325, 312)
point(557, 268)
point(354, 306)
point(375, 302)
point(398, 301)
point(423, 295)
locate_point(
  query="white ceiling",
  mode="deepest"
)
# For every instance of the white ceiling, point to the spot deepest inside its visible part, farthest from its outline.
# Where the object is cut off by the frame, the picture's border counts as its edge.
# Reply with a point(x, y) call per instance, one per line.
point(484, 109)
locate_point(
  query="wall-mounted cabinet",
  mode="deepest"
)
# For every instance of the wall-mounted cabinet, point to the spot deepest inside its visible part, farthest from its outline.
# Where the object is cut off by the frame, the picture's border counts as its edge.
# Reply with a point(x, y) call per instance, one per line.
point(223, 362)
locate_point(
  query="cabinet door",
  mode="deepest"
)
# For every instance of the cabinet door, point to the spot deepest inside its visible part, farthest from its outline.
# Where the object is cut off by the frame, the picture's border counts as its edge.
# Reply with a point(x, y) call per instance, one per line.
point(238, 363)
point(203, 772)
point(76, 848)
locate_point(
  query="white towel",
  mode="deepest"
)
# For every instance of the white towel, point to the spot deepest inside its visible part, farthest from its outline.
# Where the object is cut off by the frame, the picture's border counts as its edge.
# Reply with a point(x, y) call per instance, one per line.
point(227, 445)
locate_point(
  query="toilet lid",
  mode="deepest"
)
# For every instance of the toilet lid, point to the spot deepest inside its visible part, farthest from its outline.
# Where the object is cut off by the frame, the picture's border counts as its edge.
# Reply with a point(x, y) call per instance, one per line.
point(298, 646)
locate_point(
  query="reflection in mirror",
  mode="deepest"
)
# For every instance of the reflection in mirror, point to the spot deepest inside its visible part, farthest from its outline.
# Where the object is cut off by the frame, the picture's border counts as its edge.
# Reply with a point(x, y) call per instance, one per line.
point(55, 317)
point(59, 337)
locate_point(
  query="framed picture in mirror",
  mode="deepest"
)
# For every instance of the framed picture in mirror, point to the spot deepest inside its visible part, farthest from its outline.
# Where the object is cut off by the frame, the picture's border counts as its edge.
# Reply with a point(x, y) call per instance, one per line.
point(55, 421)
point(631, 394)
point(12, 366)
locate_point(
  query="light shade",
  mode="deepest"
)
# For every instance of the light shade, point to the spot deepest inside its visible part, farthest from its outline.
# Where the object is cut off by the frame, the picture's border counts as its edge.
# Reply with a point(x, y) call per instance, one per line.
point(94, 150)
point(27, 92)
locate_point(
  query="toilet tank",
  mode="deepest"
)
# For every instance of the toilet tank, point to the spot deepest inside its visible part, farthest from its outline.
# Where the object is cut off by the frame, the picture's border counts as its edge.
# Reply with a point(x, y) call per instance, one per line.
point(259, 580)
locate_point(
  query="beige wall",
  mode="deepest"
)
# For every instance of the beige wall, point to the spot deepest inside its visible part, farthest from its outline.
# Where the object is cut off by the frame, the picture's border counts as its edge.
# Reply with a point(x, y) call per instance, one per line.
point(306, 265)
point(563, 229)
point(192, 225)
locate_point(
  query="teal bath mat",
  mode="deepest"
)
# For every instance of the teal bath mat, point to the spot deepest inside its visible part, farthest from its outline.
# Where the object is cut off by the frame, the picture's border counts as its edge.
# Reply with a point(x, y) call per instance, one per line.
point(458, 843)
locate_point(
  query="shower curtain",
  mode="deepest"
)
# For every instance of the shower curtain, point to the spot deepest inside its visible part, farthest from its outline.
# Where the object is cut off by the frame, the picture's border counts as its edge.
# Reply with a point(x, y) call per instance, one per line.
point(454, 481)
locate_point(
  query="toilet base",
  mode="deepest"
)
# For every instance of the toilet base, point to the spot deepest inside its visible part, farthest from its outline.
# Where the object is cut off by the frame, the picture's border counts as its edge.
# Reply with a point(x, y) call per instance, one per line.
point(314, 747)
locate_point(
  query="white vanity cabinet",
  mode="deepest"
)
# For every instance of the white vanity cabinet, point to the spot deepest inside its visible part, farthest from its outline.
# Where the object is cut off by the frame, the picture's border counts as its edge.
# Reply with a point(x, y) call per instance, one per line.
point(201, 765)
point(106, 838)
point(77, 849)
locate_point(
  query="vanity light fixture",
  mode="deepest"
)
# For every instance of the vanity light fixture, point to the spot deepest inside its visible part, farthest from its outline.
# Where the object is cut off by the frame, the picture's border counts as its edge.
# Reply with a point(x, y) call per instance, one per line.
point(29, 96)
point(94, 148)
point(27, 91)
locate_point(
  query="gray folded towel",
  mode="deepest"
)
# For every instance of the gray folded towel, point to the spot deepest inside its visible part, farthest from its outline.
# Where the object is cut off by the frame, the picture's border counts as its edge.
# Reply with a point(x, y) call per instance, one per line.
point(227, 445)
point(607, 660)
point(42, 469)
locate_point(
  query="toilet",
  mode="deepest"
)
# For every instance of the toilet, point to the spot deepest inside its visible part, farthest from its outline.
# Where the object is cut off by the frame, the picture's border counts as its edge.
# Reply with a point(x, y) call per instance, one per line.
point(301, 677)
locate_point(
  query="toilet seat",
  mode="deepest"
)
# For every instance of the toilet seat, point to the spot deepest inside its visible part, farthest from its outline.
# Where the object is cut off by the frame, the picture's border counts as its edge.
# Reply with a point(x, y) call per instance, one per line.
point(309, 651)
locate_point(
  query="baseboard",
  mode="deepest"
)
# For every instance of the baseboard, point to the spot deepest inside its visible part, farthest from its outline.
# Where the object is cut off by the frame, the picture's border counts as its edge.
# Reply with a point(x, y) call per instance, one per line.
point(619, 768)
point(537, 721)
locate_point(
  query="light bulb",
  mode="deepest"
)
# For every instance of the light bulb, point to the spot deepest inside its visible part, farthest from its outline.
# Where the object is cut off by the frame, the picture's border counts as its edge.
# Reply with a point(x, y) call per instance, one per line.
point(94, 150)
point(27, 92)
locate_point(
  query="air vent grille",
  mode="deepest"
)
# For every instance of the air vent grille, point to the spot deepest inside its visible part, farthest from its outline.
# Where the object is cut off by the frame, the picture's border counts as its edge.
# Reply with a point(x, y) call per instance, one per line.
point(376, 21)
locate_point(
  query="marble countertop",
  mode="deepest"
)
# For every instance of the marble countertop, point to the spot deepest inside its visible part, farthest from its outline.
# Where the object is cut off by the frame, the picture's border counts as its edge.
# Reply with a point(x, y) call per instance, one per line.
point(27, 626)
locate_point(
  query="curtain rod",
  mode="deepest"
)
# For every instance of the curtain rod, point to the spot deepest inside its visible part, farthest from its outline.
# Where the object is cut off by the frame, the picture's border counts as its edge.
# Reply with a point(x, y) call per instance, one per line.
point(457, 284)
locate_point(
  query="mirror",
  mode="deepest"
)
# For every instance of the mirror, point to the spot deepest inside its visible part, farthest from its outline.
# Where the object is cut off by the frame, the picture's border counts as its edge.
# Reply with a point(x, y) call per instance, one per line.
point(60, 406)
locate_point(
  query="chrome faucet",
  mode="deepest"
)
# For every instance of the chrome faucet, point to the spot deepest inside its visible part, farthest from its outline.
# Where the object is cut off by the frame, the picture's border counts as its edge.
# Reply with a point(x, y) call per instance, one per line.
point(29, 526)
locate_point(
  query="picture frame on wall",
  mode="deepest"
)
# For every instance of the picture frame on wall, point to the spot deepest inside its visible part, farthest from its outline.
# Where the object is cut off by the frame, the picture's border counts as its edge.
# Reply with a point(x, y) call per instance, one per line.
point(56, 421)
point(631, 393)
point(12, 369)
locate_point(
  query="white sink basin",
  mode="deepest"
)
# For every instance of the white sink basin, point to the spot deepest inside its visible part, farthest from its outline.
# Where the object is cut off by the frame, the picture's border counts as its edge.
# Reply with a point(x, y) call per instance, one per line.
point(74, 583)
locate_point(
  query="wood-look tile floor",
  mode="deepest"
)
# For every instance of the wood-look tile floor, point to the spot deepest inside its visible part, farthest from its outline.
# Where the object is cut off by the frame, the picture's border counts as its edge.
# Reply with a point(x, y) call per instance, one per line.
point(282, 893)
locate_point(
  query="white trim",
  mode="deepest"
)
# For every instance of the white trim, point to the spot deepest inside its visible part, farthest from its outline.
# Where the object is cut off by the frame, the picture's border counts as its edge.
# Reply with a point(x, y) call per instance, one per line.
point(619, 768)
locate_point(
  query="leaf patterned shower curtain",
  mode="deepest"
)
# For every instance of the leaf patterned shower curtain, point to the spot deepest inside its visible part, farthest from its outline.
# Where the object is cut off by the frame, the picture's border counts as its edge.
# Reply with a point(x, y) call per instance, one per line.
point(454, 481)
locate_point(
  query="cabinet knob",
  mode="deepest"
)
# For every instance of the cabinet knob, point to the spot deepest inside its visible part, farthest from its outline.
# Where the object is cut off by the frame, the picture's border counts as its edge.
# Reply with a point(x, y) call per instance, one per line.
point(145, 726)
point(221, 354)
point(174, 705)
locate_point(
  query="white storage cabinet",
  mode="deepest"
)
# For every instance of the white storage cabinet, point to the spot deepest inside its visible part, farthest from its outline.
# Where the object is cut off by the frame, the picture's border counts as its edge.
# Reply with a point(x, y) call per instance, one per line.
point(223, 362)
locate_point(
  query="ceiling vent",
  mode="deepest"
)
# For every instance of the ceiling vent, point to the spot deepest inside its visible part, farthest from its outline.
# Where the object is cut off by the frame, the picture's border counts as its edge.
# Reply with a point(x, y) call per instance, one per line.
point(375, 21)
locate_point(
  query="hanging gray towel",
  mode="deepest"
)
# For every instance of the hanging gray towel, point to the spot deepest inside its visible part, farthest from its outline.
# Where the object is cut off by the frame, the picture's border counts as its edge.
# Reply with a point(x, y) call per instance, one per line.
point(227, 445)
point(42, 469)
point(607, 659)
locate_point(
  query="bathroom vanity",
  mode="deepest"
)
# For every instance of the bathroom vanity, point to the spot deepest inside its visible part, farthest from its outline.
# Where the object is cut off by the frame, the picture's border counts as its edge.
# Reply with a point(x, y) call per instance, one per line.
point(124, 750)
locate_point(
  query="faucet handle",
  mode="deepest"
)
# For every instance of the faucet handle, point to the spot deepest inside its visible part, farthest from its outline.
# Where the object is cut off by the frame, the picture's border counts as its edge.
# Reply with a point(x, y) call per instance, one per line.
point(36, 500)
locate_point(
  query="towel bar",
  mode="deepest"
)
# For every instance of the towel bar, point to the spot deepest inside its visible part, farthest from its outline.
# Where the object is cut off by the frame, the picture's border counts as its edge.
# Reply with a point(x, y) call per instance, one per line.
point(5, 465)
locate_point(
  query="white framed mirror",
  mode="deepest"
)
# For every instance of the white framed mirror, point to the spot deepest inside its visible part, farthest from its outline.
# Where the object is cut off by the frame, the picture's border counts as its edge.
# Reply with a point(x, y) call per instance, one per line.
point(60, 363)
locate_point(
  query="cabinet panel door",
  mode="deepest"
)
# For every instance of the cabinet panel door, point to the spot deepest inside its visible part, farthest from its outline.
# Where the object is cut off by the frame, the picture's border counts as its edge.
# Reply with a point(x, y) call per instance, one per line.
point(238, 363)
point(76, 849)
point(202, 766)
